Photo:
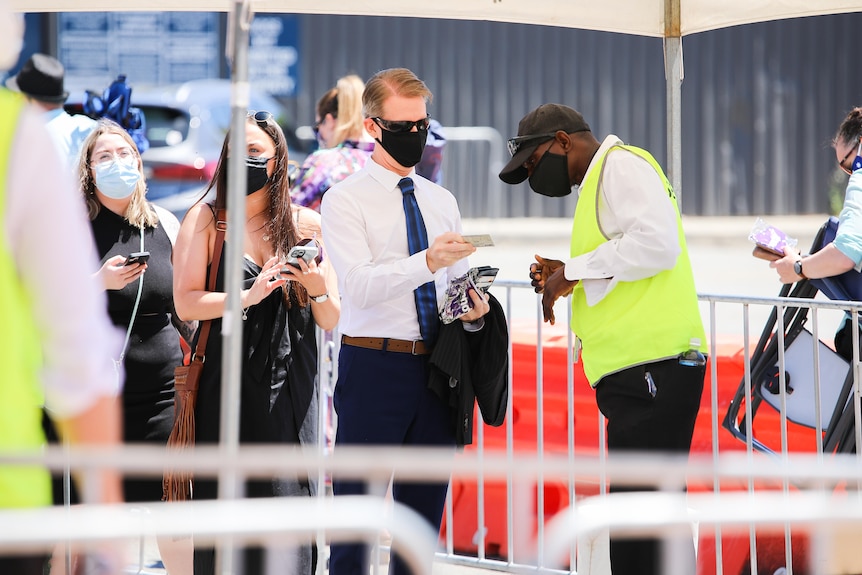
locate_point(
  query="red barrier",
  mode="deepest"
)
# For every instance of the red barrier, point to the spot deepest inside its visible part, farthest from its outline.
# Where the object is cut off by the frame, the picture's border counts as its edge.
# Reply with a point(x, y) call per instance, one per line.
point(524, 415)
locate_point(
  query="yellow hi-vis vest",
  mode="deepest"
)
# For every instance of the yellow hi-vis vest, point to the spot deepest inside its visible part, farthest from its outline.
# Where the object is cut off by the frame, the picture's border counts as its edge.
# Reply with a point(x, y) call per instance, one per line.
point(640, 321)
point(21, 396)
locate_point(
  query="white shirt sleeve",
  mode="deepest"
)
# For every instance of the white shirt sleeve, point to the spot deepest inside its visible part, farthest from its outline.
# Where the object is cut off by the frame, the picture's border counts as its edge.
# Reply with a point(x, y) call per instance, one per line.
point(639, 218)
point(372, 280)
point(47, 227)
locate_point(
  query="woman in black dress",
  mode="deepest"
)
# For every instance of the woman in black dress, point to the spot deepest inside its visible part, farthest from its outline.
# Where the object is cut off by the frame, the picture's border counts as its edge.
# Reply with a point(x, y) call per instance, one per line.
point(280, 310)
point(140, 294)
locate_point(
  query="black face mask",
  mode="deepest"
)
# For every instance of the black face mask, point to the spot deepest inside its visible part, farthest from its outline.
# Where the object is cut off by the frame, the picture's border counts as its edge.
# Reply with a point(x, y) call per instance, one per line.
point(257, 177)
point(551, 176)
point(405, 147)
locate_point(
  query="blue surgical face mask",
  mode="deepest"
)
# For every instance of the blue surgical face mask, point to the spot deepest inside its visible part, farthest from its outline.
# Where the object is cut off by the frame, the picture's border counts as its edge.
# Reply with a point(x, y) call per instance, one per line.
point(117, 179)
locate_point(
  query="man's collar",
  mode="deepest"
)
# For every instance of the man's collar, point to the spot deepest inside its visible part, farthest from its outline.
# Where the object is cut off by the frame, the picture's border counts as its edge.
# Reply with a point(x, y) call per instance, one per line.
point(385, 177)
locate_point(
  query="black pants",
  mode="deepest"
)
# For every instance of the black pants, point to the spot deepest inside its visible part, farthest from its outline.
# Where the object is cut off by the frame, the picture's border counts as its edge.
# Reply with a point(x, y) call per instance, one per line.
point(640, 422)
point(23, 564)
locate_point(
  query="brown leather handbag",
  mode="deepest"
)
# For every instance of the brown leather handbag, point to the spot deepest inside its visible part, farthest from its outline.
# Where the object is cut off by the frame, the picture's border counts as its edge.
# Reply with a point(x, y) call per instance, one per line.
point(177, 485)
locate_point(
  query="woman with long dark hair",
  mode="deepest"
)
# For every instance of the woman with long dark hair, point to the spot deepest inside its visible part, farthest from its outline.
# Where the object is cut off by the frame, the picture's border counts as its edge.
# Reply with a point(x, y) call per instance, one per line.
point(281, 305)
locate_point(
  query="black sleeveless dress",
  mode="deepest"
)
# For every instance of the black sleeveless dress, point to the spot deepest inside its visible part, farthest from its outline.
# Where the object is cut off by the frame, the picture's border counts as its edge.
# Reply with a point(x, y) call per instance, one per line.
point(279, 404)
point(154, 345)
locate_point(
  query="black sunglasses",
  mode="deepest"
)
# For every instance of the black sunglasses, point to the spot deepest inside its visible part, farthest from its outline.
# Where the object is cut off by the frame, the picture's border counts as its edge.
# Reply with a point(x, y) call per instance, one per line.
point(403, 125)
point(853, 148)
point(262, 118)
point(515, 144)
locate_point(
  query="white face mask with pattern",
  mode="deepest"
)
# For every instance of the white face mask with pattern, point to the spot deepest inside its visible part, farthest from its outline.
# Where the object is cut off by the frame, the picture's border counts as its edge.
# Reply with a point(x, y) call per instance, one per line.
point(117, 179)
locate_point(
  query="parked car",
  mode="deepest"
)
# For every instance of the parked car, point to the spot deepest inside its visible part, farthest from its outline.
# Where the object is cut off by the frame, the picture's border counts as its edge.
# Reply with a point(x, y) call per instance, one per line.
point(185, 125)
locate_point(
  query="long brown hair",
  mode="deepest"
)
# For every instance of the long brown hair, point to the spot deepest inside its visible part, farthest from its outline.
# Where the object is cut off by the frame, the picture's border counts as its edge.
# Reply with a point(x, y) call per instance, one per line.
point(279, 225)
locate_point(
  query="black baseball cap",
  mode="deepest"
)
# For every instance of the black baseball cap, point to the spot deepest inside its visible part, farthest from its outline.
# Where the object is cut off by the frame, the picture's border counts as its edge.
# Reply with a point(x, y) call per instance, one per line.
point(534, 129)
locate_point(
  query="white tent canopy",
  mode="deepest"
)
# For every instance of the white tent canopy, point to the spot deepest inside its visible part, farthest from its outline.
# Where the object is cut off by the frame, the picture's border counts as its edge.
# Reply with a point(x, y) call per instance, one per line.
point(640, 17)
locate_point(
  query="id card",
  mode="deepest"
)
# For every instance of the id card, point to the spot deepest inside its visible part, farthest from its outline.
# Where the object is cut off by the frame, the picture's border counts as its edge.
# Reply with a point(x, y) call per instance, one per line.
point(480, 240)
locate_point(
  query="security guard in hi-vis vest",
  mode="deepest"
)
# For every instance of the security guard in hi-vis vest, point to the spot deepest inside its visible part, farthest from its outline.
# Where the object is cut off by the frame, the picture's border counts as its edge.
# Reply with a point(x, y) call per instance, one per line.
point(55, 337)
point(634, 304)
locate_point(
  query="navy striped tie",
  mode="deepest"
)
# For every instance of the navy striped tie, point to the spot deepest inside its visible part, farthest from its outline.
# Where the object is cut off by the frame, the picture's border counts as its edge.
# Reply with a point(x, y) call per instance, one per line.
point(417, 240)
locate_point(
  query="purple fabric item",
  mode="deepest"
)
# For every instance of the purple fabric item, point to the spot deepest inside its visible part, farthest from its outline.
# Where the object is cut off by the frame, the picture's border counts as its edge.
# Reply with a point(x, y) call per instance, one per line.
point(326, 167)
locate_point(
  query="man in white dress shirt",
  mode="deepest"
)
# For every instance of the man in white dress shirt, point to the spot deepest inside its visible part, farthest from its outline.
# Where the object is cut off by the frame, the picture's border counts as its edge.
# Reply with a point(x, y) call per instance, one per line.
point(634, 304)
point(382, 395)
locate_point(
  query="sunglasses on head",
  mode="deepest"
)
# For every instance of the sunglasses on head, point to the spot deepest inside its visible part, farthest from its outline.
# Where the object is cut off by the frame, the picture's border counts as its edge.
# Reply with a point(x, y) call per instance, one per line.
point(515, 144)
point(403, 125)
point(262, 118)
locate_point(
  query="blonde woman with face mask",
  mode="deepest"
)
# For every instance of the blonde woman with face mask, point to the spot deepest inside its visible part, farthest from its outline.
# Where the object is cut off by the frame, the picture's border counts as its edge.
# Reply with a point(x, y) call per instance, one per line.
point(134, 241)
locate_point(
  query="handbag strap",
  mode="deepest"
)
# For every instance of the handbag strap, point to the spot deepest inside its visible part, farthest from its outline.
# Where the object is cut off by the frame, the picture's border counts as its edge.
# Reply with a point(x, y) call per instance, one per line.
point(221, 227)
point(134, 309)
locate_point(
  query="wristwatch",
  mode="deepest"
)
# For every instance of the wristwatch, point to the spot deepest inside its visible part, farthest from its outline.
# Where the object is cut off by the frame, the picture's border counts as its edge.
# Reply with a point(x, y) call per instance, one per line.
point(797, 269)
point(319, 298)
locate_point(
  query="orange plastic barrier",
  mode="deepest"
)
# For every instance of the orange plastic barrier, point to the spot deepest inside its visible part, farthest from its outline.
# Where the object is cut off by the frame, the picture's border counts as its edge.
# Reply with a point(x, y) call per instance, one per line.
point(524, 415)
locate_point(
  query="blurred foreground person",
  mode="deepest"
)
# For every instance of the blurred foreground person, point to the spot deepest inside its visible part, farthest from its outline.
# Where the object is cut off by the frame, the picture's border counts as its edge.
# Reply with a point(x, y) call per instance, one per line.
point(56, 338)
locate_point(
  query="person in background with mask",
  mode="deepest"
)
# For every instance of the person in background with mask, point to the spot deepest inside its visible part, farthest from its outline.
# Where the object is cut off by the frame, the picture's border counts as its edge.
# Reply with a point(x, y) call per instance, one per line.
point(282, 306)
point(140, 304)
point(344, 144)
point(395, 242)
point(844, 253)
point(634, 303)
point(41, 80)
point(54, 351)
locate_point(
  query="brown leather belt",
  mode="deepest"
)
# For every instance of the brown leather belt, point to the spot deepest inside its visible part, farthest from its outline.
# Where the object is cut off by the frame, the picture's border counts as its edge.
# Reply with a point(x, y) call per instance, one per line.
point(388, 344)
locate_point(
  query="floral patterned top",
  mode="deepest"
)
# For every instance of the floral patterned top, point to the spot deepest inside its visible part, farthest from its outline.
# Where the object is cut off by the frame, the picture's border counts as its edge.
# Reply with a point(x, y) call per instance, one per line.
point(326, 167)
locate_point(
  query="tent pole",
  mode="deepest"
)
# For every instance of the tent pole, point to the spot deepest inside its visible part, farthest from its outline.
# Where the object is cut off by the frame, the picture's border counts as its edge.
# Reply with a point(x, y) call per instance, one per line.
point(673, 74)
point(673, 78)
point(229, 486)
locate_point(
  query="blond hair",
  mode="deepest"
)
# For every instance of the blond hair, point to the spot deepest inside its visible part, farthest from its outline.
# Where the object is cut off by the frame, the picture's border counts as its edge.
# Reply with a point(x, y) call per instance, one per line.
point(139, 213)
point(392, 82)
point(348, 125)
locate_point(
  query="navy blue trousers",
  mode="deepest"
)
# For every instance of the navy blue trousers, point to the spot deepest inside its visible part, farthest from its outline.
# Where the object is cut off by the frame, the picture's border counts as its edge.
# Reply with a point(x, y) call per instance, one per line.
point(382, 398)
point(640, 422)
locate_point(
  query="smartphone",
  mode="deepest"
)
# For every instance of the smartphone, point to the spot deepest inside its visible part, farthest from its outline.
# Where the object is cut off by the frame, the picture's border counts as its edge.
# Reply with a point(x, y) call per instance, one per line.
point(305, 251)
point(484, 277)
point(137, 258)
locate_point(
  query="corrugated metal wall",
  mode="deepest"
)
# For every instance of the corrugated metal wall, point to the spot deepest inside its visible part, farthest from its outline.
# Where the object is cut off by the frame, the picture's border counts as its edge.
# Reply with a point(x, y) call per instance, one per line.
point(760, 102)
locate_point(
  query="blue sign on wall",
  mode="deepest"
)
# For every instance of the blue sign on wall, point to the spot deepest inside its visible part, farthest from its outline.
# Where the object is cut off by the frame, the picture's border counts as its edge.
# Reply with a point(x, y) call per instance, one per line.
point(148, 47)
point(273, 57)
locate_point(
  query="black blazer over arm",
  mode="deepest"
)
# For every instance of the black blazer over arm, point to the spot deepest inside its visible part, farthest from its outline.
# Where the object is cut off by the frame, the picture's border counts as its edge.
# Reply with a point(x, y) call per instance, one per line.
point(469, 367)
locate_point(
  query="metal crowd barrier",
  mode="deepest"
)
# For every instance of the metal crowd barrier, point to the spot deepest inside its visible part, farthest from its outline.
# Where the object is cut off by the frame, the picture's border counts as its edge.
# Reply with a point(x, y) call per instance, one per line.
point(549, 484)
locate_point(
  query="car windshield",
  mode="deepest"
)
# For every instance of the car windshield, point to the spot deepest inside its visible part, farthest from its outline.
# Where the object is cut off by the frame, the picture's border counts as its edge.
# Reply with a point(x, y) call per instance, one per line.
point(165, 126)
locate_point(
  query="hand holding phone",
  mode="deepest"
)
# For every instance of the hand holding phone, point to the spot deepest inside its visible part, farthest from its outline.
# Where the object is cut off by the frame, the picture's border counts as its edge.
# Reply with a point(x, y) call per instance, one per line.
point(307, 251)
point(137, 258)
point(483, 277)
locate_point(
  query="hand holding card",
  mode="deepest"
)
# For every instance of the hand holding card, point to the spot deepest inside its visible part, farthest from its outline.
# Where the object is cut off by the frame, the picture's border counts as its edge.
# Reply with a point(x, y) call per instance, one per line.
point(480, 240)
point(769, 240)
